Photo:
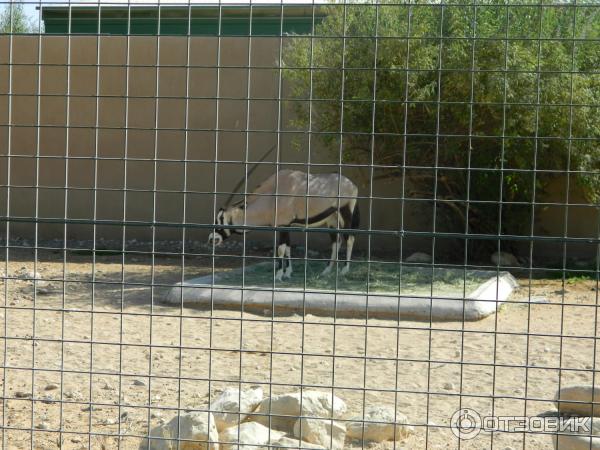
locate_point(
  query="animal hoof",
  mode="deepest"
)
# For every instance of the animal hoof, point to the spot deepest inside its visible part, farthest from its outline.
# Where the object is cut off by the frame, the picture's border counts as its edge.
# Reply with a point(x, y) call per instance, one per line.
point(279, 275)
point(287, 275)
point(345, 271)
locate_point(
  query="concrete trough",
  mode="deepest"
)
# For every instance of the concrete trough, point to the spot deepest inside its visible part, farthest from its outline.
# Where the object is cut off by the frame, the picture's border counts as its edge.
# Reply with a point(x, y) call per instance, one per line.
point(482, 302)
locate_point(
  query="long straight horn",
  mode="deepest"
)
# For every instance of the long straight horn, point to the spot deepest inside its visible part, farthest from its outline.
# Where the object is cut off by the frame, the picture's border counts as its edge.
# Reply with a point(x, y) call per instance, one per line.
point(237, 186)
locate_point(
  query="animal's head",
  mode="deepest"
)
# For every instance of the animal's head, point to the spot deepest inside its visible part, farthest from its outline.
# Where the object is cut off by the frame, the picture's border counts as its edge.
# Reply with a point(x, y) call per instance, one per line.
point(224, 217)
point(220, 234)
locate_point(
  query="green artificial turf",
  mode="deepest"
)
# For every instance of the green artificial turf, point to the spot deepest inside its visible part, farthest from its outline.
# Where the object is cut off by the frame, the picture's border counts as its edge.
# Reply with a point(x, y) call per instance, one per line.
point(382, 278)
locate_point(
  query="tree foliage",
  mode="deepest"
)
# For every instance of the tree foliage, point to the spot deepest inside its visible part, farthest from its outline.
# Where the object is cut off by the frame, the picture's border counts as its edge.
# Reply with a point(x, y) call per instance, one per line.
point(13, 19)
point(504, 91)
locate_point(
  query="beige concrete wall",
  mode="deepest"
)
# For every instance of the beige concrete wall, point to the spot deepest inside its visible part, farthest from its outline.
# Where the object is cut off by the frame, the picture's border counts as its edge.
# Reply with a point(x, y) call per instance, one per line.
point(68, 131)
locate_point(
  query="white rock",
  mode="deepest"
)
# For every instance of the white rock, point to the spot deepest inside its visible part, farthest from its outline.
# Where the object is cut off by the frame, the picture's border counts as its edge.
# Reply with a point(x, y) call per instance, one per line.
point(505, 259)
point(193, 426)
point(314, 404)
point(379, 425)
point(286, 443)
point(29, 275)
point(232, 406)
point(328, 433)
point(573, 431)
point(47, 399)
point(585, 394)
point(253, 435)
point(419, 257)
point(73, 395)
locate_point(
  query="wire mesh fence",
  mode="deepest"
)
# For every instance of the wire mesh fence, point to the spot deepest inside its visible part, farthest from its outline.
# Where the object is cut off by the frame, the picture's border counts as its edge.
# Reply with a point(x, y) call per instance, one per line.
point(299, 225)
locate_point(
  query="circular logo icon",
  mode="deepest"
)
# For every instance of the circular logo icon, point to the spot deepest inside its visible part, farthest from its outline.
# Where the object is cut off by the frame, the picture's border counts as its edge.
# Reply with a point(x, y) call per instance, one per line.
point(465, 423)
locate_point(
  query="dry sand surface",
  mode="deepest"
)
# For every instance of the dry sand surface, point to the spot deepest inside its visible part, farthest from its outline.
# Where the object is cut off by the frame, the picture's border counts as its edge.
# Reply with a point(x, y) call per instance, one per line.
point(136, 360)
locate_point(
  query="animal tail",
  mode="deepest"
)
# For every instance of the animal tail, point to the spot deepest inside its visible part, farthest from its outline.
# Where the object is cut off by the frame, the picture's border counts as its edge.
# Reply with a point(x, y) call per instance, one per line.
point(355, 223)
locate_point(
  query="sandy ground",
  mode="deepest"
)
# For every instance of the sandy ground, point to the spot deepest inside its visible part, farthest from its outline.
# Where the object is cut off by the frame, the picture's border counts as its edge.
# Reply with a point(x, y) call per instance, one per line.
point(116, 347)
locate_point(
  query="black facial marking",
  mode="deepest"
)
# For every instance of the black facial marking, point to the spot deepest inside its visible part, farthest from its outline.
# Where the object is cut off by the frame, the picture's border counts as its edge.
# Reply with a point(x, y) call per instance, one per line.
point(219, 221)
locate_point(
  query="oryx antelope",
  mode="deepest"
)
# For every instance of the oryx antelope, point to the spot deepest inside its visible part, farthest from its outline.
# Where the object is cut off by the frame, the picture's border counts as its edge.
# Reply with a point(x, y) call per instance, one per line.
point(332, 203)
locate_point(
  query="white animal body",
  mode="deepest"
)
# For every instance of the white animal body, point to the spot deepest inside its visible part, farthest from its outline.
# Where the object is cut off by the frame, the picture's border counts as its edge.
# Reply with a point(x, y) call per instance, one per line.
point(294, 198)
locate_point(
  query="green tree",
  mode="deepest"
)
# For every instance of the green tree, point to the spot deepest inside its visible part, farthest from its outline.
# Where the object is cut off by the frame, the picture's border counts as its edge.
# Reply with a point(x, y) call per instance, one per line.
point(13, 19)
point(488, 102)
